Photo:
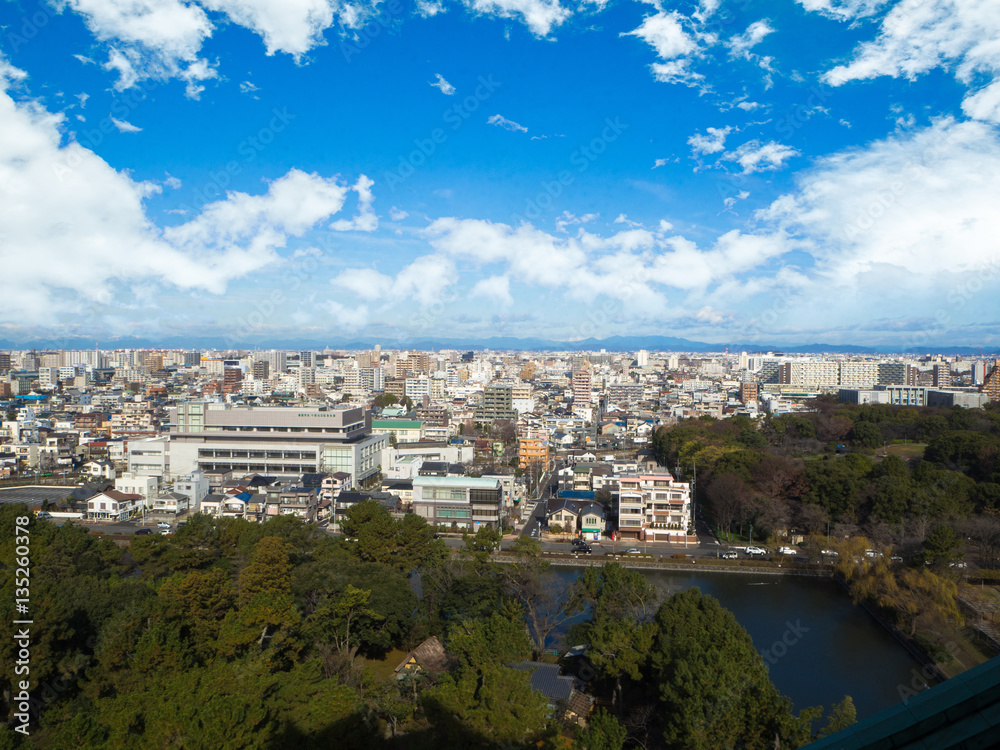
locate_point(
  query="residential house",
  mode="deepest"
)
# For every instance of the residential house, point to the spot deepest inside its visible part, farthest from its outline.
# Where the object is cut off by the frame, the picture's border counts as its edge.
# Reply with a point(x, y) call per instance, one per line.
point(112, 505)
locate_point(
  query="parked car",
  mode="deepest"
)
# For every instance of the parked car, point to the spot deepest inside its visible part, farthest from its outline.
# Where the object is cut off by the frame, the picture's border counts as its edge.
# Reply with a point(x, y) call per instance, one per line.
point(162, 525)
point(756, 551)
point(143, 531)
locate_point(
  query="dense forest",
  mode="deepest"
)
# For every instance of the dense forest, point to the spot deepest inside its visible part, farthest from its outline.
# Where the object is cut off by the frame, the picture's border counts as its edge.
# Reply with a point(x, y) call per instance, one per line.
point(890, 473)
point(907, 498)
point(230, 634)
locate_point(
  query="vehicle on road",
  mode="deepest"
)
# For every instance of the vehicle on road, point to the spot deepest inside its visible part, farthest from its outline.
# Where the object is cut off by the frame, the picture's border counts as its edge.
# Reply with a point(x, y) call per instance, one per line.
point(787, 550)
point(143, 531)
point(162, 525)
point(829, 553)
point(632, 551)
point(756, 551)
point(583, 549)
point(729, 555)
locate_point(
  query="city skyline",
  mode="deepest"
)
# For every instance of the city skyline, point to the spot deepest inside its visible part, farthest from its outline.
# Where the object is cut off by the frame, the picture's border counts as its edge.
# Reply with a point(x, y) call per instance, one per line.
point(784, 174)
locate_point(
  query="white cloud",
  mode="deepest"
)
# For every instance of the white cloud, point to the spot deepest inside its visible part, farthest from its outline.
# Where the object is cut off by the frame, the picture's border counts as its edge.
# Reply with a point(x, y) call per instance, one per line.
point(397, 214)
point(660, 163)
point(425, 280)
point(68, 211)
point(503, 122)
point(540, 16)
point(291, 26)
point(84, 60)
point(741, 44)
point(712, 142)
point(125, 127)
point(366, 220)
point(248, 88)
point(676, 71)
point(709, 314)
point(83, 99)
point(443, 86)
point(755, 156)
point(429, 9)
point(350, 318)
point(907, 202)
point(843, 10)
point(665, 33)
point(568, 219)
point(495, 288)
point(748, 106)
point(917, 36)
point(732, 200)
point(172, 182)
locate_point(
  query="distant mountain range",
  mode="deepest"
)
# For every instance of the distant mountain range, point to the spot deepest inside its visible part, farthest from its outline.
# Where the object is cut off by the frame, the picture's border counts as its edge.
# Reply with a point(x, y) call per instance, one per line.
point(496, 343)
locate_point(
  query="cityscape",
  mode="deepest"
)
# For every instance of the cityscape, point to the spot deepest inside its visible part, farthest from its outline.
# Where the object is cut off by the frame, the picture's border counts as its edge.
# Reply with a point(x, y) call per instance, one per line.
point(499, 374)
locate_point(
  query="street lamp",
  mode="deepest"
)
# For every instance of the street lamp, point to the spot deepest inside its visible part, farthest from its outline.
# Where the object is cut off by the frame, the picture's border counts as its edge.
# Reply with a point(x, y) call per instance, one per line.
point(751, 533)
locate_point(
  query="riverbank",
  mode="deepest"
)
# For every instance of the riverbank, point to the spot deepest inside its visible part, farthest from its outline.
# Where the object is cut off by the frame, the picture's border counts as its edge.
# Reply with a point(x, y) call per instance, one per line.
point(640, 562)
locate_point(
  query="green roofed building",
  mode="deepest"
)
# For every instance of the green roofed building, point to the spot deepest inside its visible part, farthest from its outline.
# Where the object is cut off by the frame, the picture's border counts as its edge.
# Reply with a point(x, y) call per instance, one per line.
point(404, 430)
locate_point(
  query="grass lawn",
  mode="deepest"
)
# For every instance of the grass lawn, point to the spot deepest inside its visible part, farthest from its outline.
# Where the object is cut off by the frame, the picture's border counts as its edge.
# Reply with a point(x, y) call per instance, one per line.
point(910, 450)
point(383, 668)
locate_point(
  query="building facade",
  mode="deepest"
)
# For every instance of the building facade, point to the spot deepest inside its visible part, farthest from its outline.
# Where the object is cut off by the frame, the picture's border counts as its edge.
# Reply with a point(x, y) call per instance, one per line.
point(273, 440)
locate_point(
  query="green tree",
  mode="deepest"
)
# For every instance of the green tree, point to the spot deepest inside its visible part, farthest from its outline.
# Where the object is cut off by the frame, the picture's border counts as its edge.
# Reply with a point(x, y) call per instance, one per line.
point(621, 628)
point(942, 546)
point(479, 710)
point(842, 715)
point(713, 685)
point(867, 435)
point(603, 732)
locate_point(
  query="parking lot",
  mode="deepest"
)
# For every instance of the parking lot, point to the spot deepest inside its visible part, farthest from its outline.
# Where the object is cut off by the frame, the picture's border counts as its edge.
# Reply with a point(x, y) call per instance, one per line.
point(33, 495)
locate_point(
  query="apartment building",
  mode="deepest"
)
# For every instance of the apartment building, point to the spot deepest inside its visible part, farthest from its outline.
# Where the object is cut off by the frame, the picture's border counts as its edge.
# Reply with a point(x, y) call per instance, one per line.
point(533, 452)
point(498, 403)
point(463, 502)
point(653, 507)
point(274, 440)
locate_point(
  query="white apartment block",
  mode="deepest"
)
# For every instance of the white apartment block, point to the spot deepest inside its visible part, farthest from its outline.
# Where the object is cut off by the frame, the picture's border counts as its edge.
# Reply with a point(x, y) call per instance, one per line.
point(653, 507)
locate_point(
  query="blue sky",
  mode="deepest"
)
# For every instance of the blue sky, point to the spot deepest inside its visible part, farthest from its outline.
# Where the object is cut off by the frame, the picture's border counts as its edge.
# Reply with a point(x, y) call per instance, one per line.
point(811, 171)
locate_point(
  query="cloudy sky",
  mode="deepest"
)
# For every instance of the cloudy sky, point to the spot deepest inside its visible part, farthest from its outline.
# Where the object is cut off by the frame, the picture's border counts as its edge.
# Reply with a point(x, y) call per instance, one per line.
point(785, 171)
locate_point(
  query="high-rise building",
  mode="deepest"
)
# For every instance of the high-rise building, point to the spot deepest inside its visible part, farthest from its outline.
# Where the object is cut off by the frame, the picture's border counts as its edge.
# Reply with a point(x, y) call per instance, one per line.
point(581, 384)
point(261, 369)
point(991, 385)
point(748, 393)
point(277, 361)
point(498, 403)
point(942, 375)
